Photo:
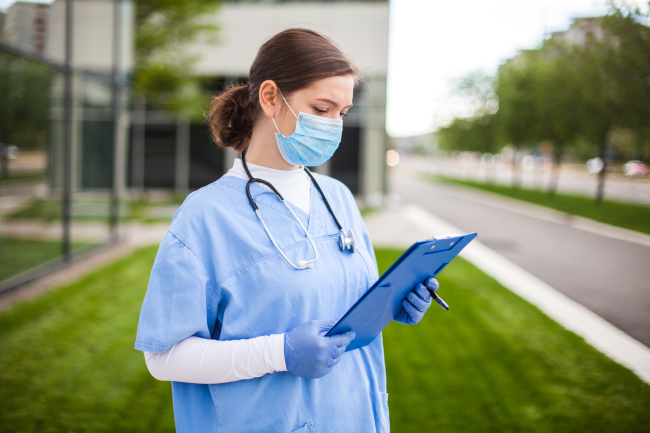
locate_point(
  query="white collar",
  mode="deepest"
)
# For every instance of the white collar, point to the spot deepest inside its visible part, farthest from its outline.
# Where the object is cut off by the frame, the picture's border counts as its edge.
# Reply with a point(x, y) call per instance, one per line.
point(268, 174)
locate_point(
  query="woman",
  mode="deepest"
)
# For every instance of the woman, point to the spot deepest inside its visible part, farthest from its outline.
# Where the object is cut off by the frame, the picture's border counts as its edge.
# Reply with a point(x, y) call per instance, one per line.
point(245, 286)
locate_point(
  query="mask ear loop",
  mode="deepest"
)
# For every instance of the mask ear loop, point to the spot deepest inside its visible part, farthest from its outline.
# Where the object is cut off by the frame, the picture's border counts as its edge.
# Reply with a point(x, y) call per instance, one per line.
point(285, 101)
point(273, 119)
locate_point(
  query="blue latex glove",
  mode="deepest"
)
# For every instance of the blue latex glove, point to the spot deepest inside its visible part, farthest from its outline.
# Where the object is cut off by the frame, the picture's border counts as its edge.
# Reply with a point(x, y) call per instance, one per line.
point(308, 353)
point(417, 302)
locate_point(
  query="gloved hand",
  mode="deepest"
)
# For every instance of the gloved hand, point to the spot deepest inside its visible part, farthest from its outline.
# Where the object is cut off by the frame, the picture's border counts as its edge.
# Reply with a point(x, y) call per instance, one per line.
point(417, 302)
point(308, 353)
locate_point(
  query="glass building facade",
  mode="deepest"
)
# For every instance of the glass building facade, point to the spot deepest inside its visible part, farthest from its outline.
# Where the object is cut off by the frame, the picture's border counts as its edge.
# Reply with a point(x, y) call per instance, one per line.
point(65, 68)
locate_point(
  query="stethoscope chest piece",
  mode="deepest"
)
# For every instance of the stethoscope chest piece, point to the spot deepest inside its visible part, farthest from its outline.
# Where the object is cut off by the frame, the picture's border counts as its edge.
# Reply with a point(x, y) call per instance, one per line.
point(346, 241)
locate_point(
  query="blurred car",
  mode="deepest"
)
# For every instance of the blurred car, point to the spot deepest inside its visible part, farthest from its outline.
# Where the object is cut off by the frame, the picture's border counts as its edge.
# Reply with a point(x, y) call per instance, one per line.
point(635, 168)
point(594, 165)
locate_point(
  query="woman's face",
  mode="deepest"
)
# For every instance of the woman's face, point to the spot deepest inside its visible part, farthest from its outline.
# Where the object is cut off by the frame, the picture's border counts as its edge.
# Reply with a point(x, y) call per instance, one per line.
point(330, 97)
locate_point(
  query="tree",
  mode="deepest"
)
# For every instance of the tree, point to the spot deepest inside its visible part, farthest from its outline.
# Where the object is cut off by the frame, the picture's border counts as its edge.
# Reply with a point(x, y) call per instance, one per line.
point(475, 134)
point(517, 109)
point(615, 80)
point(162, 69)
point(24, 87)
point(567, 94)
point(478, 90)
point(632, 70)
point(555, 96)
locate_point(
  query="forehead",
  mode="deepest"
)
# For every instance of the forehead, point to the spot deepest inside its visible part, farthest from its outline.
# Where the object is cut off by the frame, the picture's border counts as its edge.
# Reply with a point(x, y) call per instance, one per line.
point(338, 89)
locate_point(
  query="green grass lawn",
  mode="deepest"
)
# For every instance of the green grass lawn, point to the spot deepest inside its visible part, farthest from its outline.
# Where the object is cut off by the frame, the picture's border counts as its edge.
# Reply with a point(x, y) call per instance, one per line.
point(50, 210)
point(67, 361)
point(16, 178)
point(495, 363)
point(47, 210)
point(20, 255)
point(492, 363)
point(142, 211)
point(629, 216)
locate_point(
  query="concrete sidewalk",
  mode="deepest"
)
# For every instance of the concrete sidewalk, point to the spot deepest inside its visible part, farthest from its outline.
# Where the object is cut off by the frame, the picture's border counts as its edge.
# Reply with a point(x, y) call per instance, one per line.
point(403, 225)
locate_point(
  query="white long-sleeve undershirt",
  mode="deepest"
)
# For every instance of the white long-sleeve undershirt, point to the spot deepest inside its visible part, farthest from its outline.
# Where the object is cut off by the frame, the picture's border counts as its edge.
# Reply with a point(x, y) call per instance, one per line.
point(199, 360)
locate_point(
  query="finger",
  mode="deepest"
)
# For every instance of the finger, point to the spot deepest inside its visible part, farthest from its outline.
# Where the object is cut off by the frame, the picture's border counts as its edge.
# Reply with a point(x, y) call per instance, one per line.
point(342, 349)
point(331, 362)
point(336, 352)
point(414, 315)
point(433, 284)
point(423, 293)
point(324, 325)
point(352, 336)
point(342, 339)
point(417, 302)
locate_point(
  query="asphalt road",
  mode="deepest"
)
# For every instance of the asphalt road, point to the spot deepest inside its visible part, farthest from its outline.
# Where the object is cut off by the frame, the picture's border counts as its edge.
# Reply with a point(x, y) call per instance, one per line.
point(610, 277)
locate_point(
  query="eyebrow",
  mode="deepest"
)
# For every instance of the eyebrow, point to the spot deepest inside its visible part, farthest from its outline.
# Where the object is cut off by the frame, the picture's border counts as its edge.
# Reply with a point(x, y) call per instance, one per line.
point(332, 102)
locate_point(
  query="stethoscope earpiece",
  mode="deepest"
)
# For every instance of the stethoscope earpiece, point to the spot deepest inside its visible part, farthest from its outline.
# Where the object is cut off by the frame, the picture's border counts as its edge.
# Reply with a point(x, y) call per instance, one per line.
point(305, 264)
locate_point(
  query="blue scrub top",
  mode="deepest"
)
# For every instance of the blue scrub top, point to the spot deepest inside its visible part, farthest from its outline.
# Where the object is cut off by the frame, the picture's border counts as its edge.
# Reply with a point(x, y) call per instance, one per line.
point(217, 275)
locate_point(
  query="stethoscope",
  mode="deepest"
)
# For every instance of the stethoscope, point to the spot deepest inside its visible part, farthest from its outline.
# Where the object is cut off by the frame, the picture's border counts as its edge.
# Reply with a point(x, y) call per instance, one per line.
point(346, 240)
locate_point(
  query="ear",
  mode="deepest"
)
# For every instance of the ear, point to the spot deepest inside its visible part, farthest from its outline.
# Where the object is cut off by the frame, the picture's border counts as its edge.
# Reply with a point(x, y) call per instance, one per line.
point(267, 96)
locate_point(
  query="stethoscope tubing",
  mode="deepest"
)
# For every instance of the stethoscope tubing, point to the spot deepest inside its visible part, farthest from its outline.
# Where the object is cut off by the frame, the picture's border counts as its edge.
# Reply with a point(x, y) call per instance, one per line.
point(251, 180)
point(307, 262)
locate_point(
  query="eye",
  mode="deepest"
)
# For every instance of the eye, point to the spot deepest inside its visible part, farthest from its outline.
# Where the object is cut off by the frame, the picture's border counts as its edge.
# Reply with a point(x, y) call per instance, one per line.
point(320, 111)
point(344, 114)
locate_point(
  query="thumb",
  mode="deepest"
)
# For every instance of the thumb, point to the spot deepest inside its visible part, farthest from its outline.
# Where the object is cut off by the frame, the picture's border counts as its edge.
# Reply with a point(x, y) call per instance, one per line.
point(324, 325)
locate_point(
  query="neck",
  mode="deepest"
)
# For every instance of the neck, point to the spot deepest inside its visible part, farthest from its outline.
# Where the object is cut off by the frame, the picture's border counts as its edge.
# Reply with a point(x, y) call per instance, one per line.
point(263, 150)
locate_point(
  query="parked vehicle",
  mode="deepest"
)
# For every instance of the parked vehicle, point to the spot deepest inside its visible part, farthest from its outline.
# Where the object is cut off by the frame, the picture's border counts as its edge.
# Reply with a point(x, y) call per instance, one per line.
point(594, 165)
point(635, 168)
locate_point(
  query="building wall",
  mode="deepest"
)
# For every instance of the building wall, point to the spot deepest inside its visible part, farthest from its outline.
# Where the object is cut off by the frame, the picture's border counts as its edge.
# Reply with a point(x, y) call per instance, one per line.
point(92, 34)
point(361, 29)
point(26, 25)
point(579, 30)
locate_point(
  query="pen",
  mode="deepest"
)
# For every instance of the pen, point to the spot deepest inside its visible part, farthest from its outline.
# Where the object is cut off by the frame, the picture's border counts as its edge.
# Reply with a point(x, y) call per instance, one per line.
point(438, 299)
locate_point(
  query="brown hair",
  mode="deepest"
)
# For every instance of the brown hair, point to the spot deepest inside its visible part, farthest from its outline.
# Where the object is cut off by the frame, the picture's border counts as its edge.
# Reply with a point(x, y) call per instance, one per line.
point(293, 59)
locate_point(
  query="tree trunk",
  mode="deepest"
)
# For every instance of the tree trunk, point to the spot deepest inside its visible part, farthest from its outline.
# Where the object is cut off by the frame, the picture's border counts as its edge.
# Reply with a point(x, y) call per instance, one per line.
point(4, 161)
point(516, 172)
point(555, 175)
point(490, 172)
point(601, 175)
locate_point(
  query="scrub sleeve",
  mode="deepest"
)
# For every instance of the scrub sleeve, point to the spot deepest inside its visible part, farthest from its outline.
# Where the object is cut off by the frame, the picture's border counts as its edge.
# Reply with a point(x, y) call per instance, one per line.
point(178, 299)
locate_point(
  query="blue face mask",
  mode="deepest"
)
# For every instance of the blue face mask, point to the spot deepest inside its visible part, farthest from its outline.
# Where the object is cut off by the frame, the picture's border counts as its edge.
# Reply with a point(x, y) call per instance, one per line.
point(314, 140)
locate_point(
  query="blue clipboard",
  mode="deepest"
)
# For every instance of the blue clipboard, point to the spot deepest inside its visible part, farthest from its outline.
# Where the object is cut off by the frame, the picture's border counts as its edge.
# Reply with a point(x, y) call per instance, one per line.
point(383, 301)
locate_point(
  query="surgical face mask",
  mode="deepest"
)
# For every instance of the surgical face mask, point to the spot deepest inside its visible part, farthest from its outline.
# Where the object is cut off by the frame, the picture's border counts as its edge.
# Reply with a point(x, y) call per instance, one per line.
point(314, 140)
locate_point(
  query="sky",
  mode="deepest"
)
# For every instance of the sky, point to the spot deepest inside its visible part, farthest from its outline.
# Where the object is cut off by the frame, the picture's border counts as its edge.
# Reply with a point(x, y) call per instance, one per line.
point(433, 43)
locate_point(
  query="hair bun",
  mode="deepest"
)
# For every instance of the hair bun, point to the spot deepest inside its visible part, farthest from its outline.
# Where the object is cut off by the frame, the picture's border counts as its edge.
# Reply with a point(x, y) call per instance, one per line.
point(231, 118)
